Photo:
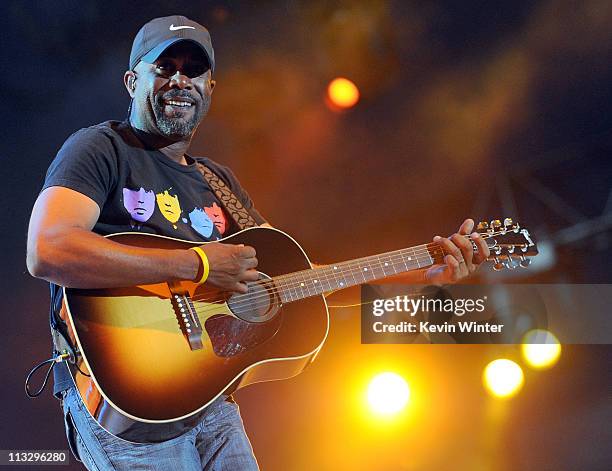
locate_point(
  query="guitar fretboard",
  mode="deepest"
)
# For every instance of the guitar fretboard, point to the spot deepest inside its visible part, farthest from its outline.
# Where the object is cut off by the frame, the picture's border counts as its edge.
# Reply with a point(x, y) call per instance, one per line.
point(306, 283)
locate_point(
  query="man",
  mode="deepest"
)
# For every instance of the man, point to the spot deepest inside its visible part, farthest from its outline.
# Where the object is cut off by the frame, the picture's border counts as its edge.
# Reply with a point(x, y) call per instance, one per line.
point(137, 176)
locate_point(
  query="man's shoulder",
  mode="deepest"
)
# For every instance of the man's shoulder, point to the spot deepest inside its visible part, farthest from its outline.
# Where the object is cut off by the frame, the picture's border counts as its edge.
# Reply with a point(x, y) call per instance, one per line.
point(102, 133)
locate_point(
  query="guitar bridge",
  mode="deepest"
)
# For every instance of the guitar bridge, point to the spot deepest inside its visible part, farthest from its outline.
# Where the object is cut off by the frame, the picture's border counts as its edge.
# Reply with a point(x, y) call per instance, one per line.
point(187, 318)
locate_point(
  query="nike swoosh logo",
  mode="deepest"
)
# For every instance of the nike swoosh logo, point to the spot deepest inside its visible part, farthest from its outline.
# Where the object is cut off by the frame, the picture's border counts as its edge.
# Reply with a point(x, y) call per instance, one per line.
point(176, 28)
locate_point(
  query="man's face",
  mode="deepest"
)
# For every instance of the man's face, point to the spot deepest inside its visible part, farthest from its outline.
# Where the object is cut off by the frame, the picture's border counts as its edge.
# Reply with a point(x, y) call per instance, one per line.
point(173, 94)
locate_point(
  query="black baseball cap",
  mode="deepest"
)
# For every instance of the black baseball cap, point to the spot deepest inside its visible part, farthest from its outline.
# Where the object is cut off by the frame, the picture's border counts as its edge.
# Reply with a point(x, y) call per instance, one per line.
point(160, 33)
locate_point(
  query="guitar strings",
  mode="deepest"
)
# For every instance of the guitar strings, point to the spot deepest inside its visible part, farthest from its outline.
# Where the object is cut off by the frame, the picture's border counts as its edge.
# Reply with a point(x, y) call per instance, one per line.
point(262, 300)
point(252, 303)
point(337, 272)
point(329, 274)
point(250, 299)
point(392, 255)
point(257, 301)
point(281, 280)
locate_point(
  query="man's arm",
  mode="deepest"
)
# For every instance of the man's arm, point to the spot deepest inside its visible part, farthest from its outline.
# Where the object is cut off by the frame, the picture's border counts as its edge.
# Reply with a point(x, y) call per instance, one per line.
point(62, 249)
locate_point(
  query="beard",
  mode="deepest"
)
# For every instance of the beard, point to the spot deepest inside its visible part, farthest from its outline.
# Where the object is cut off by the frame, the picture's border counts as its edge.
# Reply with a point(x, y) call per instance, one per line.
point(181, 123)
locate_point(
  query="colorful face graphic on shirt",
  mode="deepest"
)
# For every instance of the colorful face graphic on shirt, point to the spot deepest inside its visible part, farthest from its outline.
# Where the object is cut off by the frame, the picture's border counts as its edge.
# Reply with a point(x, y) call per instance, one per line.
point(216, 214)
point(201, 223)
point(139, 203)
point(169, 206)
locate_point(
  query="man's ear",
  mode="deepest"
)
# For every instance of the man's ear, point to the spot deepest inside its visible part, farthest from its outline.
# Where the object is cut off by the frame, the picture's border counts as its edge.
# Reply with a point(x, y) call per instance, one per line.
point(211, 84)
point(129, 80)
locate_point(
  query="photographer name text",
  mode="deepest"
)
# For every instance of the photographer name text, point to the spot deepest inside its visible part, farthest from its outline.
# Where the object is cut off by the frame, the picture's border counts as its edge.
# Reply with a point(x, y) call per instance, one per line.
point(410, 307)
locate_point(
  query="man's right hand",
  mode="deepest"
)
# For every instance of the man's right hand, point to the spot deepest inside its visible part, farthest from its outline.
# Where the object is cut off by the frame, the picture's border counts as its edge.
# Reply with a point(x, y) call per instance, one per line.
point(231, 266)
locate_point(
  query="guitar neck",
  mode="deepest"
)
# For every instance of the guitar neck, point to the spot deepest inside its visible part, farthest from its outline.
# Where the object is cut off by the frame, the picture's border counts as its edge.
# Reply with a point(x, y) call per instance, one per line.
point(306, 283)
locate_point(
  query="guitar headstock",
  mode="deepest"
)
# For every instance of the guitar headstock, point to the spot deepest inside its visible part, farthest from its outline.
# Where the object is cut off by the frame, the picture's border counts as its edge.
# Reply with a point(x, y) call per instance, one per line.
point(510, 244)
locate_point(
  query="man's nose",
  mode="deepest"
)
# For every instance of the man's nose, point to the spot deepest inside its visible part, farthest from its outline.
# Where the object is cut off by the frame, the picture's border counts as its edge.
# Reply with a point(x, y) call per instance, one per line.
point(180, 81)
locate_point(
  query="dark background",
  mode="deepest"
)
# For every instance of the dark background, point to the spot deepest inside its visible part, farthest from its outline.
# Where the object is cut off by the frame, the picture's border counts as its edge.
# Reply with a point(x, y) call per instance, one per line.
point(479, 109)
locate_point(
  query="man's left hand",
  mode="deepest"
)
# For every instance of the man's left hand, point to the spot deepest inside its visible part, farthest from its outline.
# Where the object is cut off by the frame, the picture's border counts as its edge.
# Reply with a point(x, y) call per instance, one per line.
point(460, 261)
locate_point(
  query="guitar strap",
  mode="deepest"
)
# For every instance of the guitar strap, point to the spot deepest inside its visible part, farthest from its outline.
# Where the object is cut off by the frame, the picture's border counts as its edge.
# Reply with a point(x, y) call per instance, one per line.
point(231, 203)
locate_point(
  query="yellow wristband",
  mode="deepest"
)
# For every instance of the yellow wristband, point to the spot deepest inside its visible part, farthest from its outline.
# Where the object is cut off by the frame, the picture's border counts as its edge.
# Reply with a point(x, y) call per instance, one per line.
point(205, 264)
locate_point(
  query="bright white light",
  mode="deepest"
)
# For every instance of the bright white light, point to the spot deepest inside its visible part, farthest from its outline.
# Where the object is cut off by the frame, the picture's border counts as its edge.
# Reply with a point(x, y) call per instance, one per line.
point(503, 378)
point(388, 393)
point(541, 349)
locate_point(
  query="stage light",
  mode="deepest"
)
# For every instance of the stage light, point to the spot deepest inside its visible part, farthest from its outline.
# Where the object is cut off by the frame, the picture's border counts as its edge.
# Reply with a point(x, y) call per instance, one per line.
point(342, 93)
point(541, 349)
point(503, 378)
point(388, 393)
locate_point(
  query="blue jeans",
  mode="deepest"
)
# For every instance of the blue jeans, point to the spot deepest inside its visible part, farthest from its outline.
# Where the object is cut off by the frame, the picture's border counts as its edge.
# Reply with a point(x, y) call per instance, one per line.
point(217, 443)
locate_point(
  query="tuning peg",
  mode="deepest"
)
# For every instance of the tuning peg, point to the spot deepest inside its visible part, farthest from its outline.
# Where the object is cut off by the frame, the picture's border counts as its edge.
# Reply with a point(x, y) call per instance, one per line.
point(511, 225)
point(497, 265)
point(496, 223)
point(482, 226)
point(525, 262)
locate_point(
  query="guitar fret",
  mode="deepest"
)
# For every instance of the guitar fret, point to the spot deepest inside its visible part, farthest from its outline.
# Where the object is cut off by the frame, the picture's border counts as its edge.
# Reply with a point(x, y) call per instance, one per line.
point(316, 286)
point(317, 281)
point(417, 258)
point(339, 282)
point(298, 287)
point(305, 285)
point(364, 273)
point(353, 275)
point(328, 280)
point(295, 289)
point(388, 262)
point(382, 270)
point(284, 293)
point(405, 264)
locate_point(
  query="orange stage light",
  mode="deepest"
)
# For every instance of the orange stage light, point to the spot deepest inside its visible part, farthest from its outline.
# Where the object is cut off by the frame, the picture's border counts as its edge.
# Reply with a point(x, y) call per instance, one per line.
point(541, 349)
point(342, 93)
point(503, 378)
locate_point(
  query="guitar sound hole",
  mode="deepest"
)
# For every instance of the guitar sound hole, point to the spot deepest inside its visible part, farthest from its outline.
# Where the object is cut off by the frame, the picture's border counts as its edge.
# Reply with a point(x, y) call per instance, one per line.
point(260, 304)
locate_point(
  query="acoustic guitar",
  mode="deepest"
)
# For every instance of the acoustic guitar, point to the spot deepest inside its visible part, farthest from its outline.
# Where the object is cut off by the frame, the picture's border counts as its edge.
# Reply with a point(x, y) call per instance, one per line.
point(153, 357)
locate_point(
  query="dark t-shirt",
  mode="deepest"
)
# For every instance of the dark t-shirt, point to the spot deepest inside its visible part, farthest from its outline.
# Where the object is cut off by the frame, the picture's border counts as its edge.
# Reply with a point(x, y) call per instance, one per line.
point(142, 190)
point(139, 189)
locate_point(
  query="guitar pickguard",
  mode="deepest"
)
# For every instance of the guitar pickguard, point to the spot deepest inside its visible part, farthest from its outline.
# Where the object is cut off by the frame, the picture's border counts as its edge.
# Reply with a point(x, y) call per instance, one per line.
point(230, 336)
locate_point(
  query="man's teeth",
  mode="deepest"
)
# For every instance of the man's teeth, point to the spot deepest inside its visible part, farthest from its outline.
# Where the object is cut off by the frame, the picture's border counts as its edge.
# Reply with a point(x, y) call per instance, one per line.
point(178, 103)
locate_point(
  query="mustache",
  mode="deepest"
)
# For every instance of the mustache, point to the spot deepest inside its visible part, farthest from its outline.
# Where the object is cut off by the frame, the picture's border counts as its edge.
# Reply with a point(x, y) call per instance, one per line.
point(172, 94)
